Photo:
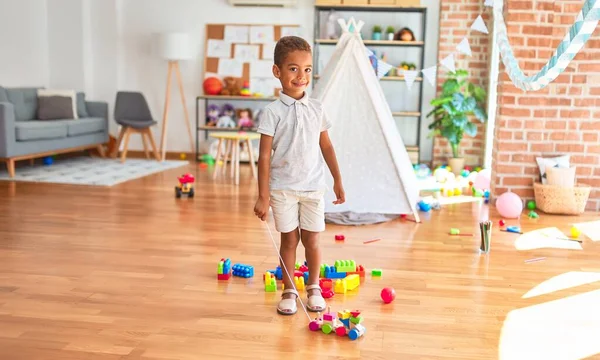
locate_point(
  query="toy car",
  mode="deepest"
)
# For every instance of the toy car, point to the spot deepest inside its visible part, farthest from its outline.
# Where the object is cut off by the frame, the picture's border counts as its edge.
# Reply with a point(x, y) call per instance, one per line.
point(186, 186)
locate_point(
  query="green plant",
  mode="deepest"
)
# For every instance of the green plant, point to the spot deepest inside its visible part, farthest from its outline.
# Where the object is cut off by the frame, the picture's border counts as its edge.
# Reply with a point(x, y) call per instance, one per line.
point(458, 100)
point(376, 29)
point(390, 30)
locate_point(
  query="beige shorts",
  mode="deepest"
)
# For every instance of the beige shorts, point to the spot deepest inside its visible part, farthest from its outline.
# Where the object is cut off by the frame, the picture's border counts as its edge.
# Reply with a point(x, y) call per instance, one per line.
point(303, 209)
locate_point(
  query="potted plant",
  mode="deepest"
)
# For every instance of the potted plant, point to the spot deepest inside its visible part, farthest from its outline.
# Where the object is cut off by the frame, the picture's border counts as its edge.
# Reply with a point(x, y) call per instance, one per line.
point(458, 100)
point(390, 33)
point(376, 32)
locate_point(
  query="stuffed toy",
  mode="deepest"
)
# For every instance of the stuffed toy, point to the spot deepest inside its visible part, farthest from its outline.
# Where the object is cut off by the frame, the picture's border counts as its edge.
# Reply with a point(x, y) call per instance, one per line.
point(226, 118)
point(244, 117)
point(212, 115)
point(231, 86)
point(405, 34)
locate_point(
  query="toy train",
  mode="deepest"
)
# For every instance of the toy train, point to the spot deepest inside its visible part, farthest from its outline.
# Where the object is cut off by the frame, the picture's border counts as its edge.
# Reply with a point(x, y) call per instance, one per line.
point(347, 323)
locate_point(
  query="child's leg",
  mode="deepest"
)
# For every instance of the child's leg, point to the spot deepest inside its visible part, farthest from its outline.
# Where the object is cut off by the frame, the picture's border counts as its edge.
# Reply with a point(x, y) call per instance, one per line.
point(310, 241)
point(289, 244)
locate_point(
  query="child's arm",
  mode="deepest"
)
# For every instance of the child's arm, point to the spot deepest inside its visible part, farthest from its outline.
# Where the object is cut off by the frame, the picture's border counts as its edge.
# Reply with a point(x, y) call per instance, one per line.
point(331, 160)
point(261, 208)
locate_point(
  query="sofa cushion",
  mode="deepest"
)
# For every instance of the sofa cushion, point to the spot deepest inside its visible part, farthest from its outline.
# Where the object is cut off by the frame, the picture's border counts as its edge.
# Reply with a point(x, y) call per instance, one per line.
point(88, 125)
point(41, 129)
point(3, 95)
point(55, 107)
point(25, 102)
point(81, 106)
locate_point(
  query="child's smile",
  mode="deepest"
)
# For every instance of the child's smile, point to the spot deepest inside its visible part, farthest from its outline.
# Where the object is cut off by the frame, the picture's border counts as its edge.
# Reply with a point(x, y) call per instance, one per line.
point(295, 73)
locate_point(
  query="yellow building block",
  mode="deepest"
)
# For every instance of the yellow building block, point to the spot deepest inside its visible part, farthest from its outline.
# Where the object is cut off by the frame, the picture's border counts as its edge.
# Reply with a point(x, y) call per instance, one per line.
point(352, 281)
point(299, 282)
point(340, 286)
point(344, 314)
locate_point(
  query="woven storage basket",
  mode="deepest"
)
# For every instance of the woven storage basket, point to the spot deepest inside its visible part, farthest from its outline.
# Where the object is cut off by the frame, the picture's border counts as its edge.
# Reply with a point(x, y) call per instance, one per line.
point(559, 200)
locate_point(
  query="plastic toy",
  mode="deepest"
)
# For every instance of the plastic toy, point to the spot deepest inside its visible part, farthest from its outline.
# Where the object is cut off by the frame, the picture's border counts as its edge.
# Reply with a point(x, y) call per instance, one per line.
point(332, 273)
point(347, 323)
point(340, 237)
point(423, 206)
point(186, 186)
point(212, 86)
point(326, 288)
point(303, 268)
point(349, 283)
point(513, 229)
point(299, 283)
point(376, 272)
point(241, 270)
point(270, 283)
point(277, 273)
point(360, 271)
point(245, 119)
point(212, 115)
point(48, 160)
point(388, 295)
point(224, 269)
point(501, 222)
point(533, 215)
point(575, 232)
point(454, 231)
point(245, 89)
point(345, 265)
point(408, 66)
point(531, 205)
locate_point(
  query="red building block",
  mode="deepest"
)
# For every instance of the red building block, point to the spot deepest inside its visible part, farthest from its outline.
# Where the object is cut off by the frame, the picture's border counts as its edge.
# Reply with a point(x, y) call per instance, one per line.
point(360, 271)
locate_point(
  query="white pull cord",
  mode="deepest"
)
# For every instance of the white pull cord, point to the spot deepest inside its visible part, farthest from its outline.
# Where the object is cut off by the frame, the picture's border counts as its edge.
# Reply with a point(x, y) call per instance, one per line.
point(286, 270)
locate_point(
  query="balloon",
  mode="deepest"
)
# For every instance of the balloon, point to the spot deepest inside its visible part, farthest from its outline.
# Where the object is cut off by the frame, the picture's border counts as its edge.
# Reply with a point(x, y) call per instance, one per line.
point(509, 205)
point(482, 182)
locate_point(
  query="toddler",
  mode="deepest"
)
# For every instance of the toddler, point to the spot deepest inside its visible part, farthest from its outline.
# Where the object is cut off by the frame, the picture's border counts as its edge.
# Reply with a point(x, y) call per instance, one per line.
point(291, 178)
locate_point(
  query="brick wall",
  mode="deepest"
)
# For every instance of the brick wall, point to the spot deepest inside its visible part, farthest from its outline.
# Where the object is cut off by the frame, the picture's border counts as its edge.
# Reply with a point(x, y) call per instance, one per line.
point(563, 118)
point(456, 18)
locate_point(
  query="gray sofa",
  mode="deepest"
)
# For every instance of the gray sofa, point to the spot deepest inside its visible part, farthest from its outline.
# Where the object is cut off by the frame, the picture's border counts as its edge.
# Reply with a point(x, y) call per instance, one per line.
point(23, 137)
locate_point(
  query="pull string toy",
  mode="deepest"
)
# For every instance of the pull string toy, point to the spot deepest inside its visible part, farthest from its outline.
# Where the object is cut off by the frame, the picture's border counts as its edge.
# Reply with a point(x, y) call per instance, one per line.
point(286, 270)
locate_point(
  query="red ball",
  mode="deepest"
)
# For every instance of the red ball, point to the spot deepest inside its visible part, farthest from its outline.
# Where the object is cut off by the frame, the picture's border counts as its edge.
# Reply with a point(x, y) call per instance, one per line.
point(501, 223)
point(212, 86)
point(388, 295)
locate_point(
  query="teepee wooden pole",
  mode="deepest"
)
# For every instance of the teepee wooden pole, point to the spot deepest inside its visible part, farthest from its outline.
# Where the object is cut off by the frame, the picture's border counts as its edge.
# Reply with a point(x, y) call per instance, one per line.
point(163, 136)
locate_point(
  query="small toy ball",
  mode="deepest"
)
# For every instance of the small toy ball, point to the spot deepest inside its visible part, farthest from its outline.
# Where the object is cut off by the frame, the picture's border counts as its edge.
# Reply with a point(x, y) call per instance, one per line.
point(182, 156)
point(212, 86)
point(575, 232)
point(531, 205)
point(501, 222)
point(340, 237)
point(454, 231)
point(313, 325)
point(465, 173)
point(509, 205)
point(48, 160)
point(203, 165)
point(388, 295)
point(423, 206)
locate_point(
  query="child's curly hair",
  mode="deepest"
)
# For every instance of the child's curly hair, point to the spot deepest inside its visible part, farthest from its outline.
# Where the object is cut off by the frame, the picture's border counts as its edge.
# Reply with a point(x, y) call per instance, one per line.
point(288, 44)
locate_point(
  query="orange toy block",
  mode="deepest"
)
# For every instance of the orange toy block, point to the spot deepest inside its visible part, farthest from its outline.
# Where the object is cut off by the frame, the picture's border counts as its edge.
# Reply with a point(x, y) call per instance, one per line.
point(326, 284)
point(360, 271)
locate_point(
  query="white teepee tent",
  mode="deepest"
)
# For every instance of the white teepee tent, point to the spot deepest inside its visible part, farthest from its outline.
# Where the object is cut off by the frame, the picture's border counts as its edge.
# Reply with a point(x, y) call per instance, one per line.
point(377, 173)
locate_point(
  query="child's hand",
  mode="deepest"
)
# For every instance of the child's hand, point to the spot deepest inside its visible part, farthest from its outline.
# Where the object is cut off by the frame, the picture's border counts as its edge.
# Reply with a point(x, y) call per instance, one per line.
point(261, 208)
point(338, 189)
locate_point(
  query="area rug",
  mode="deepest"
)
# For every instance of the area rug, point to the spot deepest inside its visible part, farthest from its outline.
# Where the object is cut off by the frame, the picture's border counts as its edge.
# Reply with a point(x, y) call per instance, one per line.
point(90, 171)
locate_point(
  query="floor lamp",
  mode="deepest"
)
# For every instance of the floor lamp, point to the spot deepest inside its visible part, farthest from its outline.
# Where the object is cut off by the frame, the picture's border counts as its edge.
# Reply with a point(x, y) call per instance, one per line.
point(174, 47)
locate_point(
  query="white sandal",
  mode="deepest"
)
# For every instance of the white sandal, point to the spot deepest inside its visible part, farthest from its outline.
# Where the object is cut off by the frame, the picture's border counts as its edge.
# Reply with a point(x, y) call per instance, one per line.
point(315, 302)
point(288, 306)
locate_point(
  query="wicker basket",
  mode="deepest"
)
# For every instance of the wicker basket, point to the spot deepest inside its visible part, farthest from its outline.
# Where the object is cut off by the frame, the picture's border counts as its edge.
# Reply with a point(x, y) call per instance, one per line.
point(559, 200)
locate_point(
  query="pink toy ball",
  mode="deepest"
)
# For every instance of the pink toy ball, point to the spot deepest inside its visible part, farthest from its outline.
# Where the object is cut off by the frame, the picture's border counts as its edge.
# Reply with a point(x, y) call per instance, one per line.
point(509, 205)
point(482, 181)
point(388, 295)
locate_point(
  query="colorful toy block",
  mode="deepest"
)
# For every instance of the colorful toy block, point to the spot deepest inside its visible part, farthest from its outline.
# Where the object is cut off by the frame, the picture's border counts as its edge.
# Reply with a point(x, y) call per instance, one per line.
point(357, 332)
point(326, 284)
point(277, 272)
point(298, 273)
point(345, 265)
point(340, 286)
point(344, 314)
point(331, 273)
point(376, 272)
point(224, 269)
point(323, 267)
point(298, 265)
point(349, 283)
point(345, 324)
point(340, 237)
point(299, 282)
point(242, 270)
point(360, 271)
point(306, 277)
point(270, 283)
point(303, 268)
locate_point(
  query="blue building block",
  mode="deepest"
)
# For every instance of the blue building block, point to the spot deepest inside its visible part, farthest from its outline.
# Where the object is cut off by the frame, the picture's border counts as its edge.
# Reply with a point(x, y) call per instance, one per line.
point(306, 277)
point(331, 273)
point(242, 270)
point(346, 322)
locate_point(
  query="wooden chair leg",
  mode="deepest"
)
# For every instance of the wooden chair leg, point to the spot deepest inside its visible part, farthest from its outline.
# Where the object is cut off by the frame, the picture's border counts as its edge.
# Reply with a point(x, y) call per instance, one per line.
point(101, 151)
point(31, 162)
point(228, 146)
point(115, 151)
point(125, 144)
point(148, 133)
point(10, 164)
point(219, 153)
point(143, 133)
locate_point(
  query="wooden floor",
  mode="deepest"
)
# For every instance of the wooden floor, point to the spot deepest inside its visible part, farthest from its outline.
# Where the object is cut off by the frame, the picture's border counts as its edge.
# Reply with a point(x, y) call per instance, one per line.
point(128, 272)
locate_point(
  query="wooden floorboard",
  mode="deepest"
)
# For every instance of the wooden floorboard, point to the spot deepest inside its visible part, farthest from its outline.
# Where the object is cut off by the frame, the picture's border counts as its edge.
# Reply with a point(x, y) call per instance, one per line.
point(128, 272)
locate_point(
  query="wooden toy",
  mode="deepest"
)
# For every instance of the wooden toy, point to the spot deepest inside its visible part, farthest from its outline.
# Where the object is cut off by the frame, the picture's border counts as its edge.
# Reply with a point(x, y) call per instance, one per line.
point(224, 269)
point(185, 186)
point(270, 283)
point(347, 323)
point(242, 270)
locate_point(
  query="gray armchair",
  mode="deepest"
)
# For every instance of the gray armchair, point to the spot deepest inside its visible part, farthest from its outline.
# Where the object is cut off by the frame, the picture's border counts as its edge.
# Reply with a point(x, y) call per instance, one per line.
point(134, 116)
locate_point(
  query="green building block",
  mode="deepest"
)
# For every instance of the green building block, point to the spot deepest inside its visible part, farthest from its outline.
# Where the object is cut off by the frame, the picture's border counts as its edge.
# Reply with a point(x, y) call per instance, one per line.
point(345, 266)
point(356, 320)
point(298, 265)
point(272, 287)
point(322, 270)
point(376, 272)
point(220, 268)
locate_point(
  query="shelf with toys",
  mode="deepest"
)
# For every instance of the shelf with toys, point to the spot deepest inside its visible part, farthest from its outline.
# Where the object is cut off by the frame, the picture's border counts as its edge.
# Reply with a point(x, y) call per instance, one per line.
point(388, 34)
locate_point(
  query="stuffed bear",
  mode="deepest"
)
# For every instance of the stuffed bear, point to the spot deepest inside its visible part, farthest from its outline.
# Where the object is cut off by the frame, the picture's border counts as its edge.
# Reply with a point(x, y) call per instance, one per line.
point(231, 87)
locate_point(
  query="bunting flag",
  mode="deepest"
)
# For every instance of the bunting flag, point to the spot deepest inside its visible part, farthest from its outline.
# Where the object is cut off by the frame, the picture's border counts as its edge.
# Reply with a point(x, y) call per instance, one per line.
point(409, 77)
point(383, 68)
point(464, 47)
point(479, 25)
point(448, 63)
point(429, 74)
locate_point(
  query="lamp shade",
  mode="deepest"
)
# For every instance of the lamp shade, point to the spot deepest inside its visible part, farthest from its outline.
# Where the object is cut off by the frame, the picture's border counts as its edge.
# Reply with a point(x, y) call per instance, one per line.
point(174, 46)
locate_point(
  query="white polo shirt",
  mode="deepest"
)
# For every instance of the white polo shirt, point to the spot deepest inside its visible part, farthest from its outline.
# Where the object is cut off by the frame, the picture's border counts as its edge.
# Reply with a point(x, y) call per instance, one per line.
point(295, 125)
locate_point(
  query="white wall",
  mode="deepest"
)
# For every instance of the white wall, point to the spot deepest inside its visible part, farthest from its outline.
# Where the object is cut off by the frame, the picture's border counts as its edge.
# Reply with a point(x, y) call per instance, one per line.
point(23, 43)
point(102, 46)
